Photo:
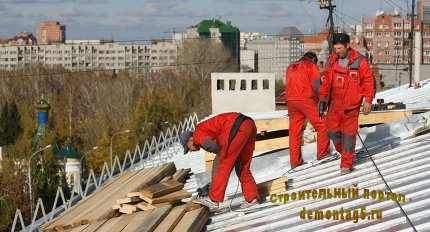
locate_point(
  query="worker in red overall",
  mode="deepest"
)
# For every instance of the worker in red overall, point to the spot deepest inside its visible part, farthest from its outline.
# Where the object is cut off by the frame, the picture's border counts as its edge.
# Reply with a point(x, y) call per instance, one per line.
point(231, 136)
point(347, 81)
point(301, 92)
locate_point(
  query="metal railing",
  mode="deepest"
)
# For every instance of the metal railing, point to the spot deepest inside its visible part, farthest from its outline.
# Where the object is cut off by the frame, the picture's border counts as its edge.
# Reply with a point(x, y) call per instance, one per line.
point(151, 155)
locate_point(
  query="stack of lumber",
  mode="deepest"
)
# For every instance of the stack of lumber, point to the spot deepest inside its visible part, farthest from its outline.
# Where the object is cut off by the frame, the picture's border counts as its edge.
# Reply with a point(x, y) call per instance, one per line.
point(160, 188)
point(169, 192)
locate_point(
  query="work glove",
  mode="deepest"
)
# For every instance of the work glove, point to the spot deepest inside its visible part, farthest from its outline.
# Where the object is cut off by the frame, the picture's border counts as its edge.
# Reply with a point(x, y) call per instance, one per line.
point(322, 107)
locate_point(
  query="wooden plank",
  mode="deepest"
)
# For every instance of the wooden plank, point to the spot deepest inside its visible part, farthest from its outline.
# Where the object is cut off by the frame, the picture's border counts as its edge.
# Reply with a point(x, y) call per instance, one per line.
point(128, 208)
point(133, 194)
point(128, 200)
point(166, 179)
point(272, 144)
point(84, 203)
point(181, 174)
point(95, 226)
point(117, 224)
point(269, 183)
point(272, 124)
point(135, 223)
point(178, 195)
point(147, 206)
point(172, 219)
point(116, 206)
point(154, 219)
point(377, 117)
point(79, 229)
point(100, 205)
point(193, 221)
point(161, 189)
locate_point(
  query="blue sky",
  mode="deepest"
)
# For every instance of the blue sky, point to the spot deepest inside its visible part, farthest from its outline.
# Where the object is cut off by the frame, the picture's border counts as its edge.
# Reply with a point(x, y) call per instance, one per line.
point(155, 19)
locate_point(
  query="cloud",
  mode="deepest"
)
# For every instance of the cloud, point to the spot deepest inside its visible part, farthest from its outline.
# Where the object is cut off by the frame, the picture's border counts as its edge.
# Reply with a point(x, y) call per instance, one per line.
point(72, 12)
point(166, 9)
point(52, 1)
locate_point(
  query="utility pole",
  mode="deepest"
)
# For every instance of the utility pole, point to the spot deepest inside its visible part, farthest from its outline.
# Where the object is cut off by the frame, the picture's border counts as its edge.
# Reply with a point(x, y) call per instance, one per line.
point(327, 4)
point(411, 39)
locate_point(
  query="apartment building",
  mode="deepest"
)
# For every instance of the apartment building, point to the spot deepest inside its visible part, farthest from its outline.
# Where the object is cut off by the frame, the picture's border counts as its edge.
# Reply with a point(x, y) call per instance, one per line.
point(275, 53)
point(50, 33)
point(388, 39)
point(246, 37)
point(141, 58)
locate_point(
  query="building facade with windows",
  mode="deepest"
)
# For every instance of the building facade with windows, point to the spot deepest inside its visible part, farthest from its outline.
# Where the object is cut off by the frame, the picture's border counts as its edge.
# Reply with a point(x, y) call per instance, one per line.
point(75, 56)
point(50, 33)
point(275, 53)
point(387, 37)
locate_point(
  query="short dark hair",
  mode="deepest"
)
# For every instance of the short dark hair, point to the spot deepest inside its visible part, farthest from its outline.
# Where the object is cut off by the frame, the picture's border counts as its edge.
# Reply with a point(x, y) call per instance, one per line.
point(312, 56)
point(341, 38)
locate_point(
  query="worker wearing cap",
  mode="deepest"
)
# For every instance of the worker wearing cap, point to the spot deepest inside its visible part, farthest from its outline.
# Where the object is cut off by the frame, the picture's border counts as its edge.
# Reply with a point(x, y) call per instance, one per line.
point(347, 82)
point(231, 136)
point(301, 92)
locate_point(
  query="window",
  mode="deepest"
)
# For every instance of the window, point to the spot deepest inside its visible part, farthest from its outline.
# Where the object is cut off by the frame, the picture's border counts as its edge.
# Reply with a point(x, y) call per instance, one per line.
point(265, 84)
point(369, 34)
point(397, 25)
point(397, 43)
point(254, 85)
point(378, 34)
point(378, 44)
point(242, 84)
point(379, 52)
point(369, 43)
point(220, 84)
point(387, 52)
point(369, 26)
point(427, 52)
point(387, 61)
point(387, 44)
point(417, 26)
point(387, 34)
point(232, 85)
point(397, 34)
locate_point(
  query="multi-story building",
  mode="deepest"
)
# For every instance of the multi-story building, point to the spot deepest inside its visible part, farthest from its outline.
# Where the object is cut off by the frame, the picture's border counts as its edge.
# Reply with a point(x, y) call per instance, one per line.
point(423, 10)
point(224, 32)
point(23, 38)
point(250, 36)
point(51, 32)
point(275, 53)
point(139, 59)
point(388, 39)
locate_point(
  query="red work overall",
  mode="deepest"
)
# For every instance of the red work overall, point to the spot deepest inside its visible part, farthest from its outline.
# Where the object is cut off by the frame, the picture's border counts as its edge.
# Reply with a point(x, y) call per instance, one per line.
point(236, 144)
point(302, 81)
point(348, 87)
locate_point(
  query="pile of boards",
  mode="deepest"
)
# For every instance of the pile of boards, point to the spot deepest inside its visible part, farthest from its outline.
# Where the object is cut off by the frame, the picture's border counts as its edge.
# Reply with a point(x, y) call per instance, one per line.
point(143, 200)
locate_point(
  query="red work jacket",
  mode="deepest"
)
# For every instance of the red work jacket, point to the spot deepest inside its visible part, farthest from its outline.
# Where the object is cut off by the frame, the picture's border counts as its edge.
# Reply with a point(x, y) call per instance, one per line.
point(215, 131)
point(302, 81)
point(346, 86)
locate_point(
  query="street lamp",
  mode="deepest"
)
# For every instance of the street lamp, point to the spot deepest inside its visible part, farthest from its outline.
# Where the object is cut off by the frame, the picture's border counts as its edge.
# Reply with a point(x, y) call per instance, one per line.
point(80, 162)
point(110, 145)
point(29, 177)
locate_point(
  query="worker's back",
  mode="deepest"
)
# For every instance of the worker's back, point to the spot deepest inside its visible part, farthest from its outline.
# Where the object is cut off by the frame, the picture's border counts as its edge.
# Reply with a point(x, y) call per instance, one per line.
point(301, 77)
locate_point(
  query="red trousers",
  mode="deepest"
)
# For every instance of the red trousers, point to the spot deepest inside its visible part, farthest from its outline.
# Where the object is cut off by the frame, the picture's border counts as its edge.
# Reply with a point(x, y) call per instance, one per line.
point(298, 111)
point(342, 127)
point(240, 152)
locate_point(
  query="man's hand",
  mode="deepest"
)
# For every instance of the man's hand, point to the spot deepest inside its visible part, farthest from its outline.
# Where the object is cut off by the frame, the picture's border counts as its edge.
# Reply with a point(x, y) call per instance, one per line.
point(367, 107)
point(322, 107)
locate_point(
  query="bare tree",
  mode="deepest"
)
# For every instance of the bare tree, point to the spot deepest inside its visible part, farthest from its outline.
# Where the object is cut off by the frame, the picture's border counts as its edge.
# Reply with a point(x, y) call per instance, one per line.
point(200, 57)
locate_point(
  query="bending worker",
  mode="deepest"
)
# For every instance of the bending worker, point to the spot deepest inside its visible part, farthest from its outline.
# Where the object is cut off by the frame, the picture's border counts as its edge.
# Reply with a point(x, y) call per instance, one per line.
point(231, 136)
point(347, 80)
point(301, 92)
